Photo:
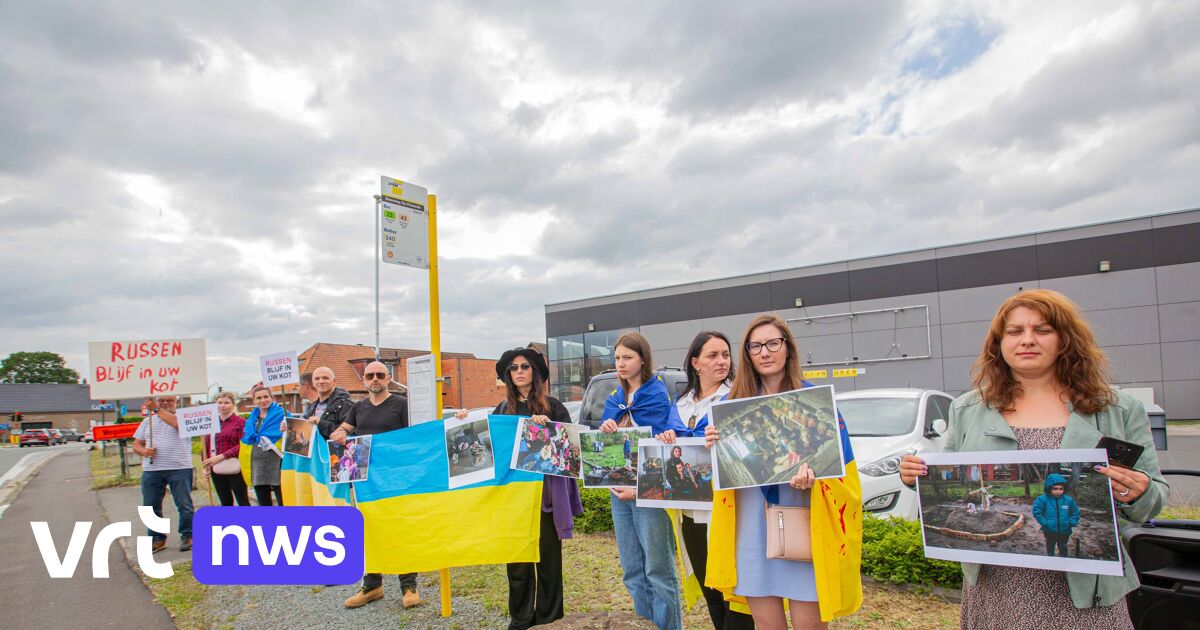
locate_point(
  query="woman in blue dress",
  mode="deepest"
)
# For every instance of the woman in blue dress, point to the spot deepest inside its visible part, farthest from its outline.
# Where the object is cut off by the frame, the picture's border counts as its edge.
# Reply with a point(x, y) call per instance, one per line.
point(769, 365)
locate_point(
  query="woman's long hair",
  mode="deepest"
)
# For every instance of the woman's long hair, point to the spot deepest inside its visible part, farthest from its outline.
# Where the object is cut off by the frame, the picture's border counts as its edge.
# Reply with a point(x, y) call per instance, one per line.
point(748, 383)
point(693, 375)
point(636, 342)
point(539, 399)
point(1081, 366)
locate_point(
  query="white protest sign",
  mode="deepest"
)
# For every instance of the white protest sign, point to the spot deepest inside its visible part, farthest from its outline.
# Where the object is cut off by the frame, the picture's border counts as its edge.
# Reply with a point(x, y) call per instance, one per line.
point(422, 387)
point(281, 368)
point(137, 369)
point(199, 420)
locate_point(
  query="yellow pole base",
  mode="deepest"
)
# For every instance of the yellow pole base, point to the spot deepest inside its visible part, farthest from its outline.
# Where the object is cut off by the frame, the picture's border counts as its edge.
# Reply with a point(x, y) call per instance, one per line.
point(445, 574)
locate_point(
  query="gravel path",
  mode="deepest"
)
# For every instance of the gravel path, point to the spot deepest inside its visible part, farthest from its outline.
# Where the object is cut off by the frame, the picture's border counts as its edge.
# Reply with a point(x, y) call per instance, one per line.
point(322, 607)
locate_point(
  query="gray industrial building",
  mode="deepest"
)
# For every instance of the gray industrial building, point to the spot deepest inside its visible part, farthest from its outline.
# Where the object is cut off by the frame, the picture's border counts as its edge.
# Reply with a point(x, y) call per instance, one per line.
point(918, 318)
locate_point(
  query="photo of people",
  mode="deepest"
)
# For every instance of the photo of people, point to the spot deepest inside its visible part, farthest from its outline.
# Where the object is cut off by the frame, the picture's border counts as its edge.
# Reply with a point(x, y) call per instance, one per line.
point(348, 462)
point(298, 439)
point(610, 459)
point(765, 439)
point(1046, 509)
point(549, 449)
point(469, 452)
point(675, 475)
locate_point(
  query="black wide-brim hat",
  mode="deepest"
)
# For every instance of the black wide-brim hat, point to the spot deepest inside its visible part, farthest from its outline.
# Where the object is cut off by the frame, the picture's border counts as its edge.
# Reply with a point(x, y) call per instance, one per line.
point(535, 359)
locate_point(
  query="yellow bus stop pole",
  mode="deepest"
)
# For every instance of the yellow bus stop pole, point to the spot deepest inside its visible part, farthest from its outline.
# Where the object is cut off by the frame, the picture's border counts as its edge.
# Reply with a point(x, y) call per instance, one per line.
point(435, 348)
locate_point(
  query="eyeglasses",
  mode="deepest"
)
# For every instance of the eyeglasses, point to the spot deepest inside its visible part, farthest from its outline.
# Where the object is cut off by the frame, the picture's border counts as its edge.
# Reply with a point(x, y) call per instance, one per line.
point(519, 367)
point(772, 345)
point(375, 375)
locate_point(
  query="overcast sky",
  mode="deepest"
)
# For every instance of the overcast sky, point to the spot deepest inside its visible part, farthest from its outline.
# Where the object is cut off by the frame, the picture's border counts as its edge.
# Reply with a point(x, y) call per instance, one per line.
point(206, 169)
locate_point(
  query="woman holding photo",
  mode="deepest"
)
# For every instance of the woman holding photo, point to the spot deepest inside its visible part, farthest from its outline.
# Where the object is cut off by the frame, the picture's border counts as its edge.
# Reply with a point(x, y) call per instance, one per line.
point(263, 424)
point(709, 369)
point(229, 485)
point(535, 590)
point(645, 543)
point(1041, 383)
point(737, 560)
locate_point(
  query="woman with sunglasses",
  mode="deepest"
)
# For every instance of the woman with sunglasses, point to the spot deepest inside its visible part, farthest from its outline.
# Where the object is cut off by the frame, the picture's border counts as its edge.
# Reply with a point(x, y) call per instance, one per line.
point(709, 369)
point(535, 590)
point(770, 365)
point(645, 542)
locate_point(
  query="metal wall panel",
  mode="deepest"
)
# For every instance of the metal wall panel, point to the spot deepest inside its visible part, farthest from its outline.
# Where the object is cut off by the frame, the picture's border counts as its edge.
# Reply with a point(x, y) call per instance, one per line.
point(963, 340)
point(1115, 289)
point(1181, 361)
point(979, 303)
point(902, 279)
point(1125, 326)
point(1178, 283)
point(1180, 322)
point(1181, 399)
point(1136, 364)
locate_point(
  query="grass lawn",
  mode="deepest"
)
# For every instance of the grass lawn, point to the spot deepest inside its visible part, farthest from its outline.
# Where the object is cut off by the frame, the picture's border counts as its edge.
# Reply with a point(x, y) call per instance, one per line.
point(181, 595)
point(593, 583)
point(1185, 512)
point(106, 471)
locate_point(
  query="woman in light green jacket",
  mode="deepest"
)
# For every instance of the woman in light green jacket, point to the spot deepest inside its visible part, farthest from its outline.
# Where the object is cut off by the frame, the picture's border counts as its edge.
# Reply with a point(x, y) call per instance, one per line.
point(1041, 382)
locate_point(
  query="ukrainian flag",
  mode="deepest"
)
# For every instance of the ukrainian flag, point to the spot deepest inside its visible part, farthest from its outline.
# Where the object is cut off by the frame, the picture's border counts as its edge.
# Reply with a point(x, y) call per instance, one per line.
point(835, 523)
point(415, 522)
point(305, 480)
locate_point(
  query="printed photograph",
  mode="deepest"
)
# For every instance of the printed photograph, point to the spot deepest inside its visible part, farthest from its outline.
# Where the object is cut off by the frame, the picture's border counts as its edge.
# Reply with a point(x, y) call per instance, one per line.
point(469, 452)
point(299, 438)
point(765, 439)
point(348, 462)
point(678, 475)
point(1041, 509)
point(549, 449)
point(610, 459)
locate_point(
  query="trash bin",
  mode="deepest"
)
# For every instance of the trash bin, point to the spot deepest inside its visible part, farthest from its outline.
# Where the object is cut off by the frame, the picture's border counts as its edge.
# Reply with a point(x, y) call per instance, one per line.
point(1158, 426)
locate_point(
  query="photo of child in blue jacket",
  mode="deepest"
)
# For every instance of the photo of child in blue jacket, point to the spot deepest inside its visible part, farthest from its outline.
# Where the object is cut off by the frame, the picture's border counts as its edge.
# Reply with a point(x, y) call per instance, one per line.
point(1057, 513)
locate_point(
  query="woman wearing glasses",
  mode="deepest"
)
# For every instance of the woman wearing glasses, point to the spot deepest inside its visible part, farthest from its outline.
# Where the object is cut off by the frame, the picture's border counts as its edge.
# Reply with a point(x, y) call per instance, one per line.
point(709, 369)
point(535, 590)
point(770, 365)
point(644, 538)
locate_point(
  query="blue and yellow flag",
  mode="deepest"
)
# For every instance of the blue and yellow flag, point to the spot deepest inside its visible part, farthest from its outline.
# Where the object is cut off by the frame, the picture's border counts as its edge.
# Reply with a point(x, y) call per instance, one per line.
point(414, 521)
point(305, 480)
point(835, 523)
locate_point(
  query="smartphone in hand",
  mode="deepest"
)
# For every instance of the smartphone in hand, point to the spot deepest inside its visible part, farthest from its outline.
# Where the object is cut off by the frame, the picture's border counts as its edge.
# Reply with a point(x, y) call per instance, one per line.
point(1120, 453)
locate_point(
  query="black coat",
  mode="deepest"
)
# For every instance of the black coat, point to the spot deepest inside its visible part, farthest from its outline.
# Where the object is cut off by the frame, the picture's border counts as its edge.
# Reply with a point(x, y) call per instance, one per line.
point(337, 410)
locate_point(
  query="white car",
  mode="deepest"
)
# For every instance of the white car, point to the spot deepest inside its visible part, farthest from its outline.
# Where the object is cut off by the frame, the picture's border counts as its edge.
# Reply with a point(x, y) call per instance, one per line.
point(885, 425)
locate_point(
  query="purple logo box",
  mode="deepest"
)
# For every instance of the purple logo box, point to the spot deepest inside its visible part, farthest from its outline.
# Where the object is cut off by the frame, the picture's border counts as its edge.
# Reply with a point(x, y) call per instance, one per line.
point(277, 545)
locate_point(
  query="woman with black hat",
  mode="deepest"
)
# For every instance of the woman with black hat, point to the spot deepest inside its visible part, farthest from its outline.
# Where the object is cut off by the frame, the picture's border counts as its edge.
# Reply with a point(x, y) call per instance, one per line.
point(535, 591)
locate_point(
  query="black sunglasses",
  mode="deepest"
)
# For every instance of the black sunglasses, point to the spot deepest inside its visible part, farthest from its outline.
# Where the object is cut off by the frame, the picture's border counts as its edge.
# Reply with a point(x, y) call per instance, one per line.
point(375, 375)
point(517, 367)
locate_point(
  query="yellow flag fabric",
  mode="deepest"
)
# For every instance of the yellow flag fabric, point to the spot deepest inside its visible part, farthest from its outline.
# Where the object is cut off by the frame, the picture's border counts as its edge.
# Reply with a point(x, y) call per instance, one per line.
point(835, 522)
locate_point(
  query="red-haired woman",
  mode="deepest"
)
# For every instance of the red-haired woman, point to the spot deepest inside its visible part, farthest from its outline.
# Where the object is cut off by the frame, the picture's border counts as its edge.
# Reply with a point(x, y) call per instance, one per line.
point(1041, 383)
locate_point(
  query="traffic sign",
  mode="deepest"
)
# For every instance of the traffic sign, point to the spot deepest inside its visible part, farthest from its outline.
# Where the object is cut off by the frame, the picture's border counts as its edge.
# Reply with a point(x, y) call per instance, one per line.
point(404, 223)
point(114, 431)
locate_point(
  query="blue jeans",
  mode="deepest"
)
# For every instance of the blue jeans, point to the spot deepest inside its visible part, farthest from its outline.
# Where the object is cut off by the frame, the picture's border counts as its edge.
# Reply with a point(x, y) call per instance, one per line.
point(154, 486)
point(646, 546)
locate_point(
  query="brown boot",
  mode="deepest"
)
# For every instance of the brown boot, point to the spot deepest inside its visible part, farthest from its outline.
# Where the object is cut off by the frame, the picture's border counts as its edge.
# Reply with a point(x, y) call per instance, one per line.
point(364, 597)
point(411, 598)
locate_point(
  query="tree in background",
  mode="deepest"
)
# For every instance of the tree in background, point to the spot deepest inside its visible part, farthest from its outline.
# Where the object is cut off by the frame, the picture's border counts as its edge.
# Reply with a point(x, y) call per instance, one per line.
point(36, 367)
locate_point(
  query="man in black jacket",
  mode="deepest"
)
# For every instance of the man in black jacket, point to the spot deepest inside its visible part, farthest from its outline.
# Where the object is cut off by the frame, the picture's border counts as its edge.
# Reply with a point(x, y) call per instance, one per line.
point(332, 406)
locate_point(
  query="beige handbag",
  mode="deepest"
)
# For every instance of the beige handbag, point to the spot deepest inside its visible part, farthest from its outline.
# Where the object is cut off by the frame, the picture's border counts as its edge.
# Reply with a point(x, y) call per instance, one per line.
point(227, 467)
point(788, 533)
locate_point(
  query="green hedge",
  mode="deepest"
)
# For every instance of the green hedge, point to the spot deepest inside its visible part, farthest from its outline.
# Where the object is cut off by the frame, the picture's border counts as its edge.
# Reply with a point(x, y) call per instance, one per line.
point(597, 511)
point(893, 552)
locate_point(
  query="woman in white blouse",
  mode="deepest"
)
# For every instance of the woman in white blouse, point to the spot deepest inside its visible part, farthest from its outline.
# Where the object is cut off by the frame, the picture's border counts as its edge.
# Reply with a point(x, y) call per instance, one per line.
point(709, 368)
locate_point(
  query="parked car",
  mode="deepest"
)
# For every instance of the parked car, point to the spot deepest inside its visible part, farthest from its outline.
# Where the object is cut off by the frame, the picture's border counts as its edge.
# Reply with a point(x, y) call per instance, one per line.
point(71, 435)
point(573, 408)
point(56, 437)
point(885, 425)
point(87, 437)
point(602, 384)
point(35, 437)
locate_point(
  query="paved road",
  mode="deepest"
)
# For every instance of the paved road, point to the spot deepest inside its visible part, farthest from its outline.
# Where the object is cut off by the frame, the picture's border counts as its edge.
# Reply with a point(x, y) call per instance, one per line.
point(60, 495)
point(1184, 452)
point(10, 455)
